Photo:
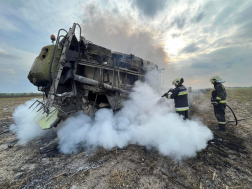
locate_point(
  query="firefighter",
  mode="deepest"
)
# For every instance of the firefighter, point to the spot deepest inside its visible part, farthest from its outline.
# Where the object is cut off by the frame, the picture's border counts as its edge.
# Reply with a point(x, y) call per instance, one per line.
point(218, 101)
point(179, 94)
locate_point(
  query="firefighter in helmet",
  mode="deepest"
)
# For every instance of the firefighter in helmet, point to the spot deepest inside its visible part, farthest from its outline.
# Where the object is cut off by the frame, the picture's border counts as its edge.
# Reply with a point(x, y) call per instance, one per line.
point(218, 101)
point(179, 94)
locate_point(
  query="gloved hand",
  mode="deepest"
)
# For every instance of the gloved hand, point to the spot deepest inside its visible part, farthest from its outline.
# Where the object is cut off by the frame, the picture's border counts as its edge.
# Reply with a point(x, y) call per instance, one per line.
point(165, 95)
point(214, 102)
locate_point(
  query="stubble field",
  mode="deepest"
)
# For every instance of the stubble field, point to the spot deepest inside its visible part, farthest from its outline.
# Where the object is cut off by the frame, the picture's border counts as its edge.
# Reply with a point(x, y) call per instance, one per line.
point(225, 163)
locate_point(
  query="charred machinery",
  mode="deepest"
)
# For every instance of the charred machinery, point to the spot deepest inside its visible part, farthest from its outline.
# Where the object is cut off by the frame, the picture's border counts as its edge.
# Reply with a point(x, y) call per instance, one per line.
point(75, 74)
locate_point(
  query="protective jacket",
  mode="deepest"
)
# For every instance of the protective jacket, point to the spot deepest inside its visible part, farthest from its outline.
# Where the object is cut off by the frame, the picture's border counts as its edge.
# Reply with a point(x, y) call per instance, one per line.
point(179, 94)
point(219, 93)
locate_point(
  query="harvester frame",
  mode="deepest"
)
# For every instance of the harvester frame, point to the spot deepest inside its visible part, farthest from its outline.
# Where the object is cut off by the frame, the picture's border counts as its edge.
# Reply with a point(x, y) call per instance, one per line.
point(83, 76)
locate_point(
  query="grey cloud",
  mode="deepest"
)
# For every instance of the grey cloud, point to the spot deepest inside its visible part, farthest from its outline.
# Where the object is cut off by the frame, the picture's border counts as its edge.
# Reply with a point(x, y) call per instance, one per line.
point(117, 33)
point(232, 62)
point(179, 21)
point(242, 35)
point(202, 65)
point(16, 83)
point(221, 42)
point(224, 17)
point(245, 31)
point(149, 7)
point(190, 48)
point(202, 40)
point(186, 33)
point(228, 57)
point(9, 56)
point(244, 16)
point(175, 35)
point(115, 10)
point(199, 17)
point(227, 16)
point(206, 29)
point(223, 59)
point(91, 8)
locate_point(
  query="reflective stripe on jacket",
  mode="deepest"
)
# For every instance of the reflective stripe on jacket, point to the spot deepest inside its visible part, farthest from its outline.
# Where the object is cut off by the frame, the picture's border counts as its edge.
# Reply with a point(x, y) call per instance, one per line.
point(179, 94)
point(219, 93)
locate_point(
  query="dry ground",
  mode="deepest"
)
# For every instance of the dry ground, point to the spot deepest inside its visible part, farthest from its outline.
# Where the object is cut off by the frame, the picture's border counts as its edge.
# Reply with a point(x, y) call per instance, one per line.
point(225, 163)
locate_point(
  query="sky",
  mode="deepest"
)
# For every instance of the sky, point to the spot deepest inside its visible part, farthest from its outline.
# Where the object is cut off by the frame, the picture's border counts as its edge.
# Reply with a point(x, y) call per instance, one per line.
point(193, 39)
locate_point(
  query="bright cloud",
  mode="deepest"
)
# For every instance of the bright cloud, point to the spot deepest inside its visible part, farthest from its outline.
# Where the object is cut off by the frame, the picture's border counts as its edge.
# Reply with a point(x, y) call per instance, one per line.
point(191, 39)
point(2, 51)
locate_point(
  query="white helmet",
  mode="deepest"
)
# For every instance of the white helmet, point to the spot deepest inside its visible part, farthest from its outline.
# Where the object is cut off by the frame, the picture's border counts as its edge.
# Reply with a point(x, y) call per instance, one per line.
point(178, 81)
point(216, 79)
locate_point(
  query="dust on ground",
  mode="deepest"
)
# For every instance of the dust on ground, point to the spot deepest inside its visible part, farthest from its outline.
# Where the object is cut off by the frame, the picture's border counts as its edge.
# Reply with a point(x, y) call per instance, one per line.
point(225, 163)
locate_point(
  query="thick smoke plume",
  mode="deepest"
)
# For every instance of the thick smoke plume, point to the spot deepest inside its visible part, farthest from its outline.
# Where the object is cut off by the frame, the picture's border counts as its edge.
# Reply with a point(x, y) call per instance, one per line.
point(25, 128)
point(146, 119)
point(120, 32)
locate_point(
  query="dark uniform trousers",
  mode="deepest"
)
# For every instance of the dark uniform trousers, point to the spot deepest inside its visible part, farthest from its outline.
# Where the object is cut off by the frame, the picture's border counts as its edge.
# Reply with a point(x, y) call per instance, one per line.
point(183, 113)
point(219, 112)
point(219, 95)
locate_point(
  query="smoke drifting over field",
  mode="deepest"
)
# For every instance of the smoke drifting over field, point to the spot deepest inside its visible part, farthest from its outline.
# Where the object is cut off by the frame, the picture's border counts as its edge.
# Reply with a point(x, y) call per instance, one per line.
point(145, 119)
point(25, 128)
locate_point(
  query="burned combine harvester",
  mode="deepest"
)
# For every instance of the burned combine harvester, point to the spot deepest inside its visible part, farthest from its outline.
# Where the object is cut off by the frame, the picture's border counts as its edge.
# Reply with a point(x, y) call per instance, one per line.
point(75, 74)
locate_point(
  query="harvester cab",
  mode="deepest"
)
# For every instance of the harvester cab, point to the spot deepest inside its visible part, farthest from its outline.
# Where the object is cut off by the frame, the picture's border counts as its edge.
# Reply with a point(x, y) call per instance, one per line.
point(75, 74)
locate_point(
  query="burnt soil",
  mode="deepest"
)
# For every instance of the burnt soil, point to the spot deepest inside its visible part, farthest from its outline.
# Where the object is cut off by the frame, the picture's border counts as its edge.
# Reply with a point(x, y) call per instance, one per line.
point(225, 163)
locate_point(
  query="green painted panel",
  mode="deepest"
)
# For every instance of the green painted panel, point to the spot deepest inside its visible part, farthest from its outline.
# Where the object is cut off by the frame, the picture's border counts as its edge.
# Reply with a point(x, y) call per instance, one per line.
point(47, 121)
point(39, 73)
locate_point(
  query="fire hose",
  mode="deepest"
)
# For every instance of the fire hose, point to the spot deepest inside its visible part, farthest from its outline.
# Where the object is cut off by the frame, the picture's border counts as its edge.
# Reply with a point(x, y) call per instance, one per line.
point(233, 114)
point(241, 119)
point(236, 120)
point(170, 90)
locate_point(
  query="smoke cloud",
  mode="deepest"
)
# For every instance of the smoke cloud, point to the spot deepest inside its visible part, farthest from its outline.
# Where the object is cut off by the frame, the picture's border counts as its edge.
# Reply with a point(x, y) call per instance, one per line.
point(120, 32)
point(25, 128)
point(146, 119)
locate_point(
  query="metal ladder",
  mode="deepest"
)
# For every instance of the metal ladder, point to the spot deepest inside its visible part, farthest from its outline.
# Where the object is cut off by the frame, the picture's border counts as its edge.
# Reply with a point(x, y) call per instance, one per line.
point(62, 61)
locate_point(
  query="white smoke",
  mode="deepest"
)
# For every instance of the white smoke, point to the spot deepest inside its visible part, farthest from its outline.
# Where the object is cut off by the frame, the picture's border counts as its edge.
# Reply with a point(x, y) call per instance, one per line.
point(25, 128)
point(146, 119)
point(152, 78)
point(143, 120)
